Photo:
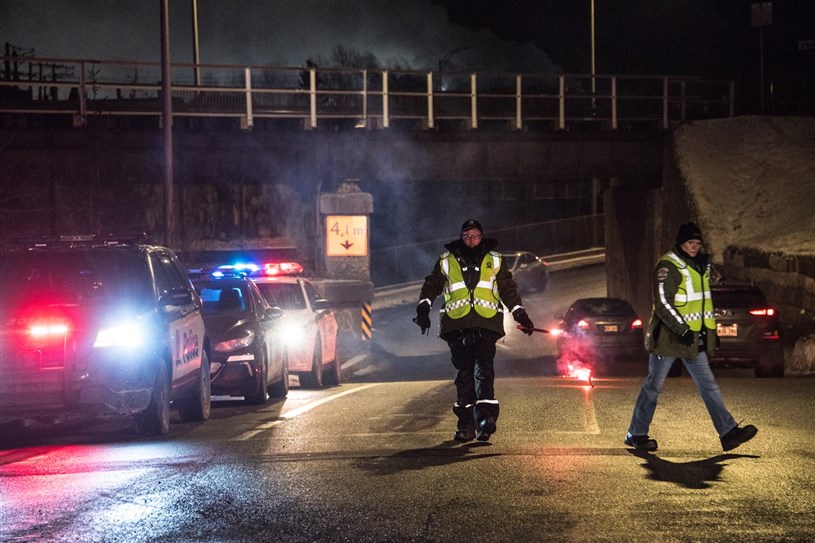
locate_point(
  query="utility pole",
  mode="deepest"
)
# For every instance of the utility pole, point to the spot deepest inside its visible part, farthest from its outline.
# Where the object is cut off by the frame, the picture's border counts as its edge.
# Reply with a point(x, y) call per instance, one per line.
point(593, 70)
point(196, 53)
point(167, 120)
point(761, 15)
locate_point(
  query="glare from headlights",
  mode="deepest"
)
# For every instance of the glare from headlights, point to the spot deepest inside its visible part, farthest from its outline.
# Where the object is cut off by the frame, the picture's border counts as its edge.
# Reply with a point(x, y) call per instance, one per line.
point(235, 344)
point(122, 335)
point(293, 333)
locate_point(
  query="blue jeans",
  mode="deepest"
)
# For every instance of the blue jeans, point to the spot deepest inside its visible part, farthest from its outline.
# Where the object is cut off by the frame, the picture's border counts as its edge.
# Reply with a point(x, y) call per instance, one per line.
point(699, 369)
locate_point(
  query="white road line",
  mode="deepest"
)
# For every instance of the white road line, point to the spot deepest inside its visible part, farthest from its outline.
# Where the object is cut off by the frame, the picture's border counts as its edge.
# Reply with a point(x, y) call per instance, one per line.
point(297, 412)
point(589, 415)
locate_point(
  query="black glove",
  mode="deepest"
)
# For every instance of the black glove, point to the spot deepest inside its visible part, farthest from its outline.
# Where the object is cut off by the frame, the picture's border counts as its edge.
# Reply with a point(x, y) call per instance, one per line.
point(423, 318)
point(686, 339)
point(526, 323)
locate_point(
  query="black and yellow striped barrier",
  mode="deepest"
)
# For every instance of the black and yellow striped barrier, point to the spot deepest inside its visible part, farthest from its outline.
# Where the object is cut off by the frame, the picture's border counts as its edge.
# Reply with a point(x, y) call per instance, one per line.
point(366, 321)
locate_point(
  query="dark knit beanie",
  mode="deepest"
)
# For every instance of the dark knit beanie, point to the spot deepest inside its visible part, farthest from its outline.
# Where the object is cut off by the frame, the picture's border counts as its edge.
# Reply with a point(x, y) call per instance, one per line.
point(687, 232)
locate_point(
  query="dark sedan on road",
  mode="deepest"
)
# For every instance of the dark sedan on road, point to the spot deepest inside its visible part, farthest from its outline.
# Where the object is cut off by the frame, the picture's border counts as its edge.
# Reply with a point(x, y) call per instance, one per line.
point(749, 330)
point(248, 355)
point(597, 331)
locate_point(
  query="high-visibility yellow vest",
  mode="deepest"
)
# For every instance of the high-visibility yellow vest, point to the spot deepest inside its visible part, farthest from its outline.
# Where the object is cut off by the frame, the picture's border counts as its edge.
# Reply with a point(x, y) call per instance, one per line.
point(693, 299)
point(458, 300)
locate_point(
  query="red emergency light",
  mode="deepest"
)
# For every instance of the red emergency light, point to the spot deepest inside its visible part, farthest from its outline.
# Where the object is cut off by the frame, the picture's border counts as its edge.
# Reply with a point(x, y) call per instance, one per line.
point(282, 268)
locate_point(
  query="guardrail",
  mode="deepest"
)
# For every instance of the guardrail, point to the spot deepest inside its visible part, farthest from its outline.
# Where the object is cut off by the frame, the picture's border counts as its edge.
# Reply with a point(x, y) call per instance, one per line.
point(408, 293)
point(411, 262)
point(88, 89)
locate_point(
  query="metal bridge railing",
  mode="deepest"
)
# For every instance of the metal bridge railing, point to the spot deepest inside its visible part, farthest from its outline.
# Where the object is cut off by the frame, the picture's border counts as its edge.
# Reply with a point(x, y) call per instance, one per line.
point(84, 89)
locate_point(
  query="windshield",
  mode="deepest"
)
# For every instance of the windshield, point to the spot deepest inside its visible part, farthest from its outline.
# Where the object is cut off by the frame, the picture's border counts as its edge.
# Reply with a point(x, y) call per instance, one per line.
point(74, 277)
point(223, 299)
point(283, 295)
point(738, 298)
point(603, 306)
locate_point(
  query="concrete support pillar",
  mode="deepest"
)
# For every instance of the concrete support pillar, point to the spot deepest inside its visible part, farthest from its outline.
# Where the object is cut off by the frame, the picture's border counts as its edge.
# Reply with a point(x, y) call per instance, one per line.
point(345, 217)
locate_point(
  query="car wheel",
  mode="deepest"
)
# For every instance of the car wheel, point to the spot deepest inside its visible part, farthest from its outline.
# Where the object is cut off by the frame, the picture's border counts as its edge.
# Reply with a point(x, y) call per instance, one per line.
point(261, 394)
point(155, 420)
point(281, 388)
point(314, 378)
point(197, 408)
point(769, 368)
point(334, 376)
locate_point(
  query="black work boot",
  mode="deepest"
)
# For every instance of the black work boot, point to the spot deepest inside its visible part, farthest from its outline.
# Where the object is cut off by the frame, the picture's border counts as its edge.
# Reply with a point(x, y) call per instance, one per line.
point(464, 434)
point(643, 443)
point(737, 436)
point(466, 423)
point(485, 429)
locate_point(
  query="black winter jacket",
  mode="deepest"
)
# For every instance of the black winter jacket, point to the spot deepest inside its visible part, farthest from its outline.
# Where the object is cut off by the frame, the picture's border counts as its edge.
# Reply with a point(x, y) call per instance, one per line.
point(507, 289)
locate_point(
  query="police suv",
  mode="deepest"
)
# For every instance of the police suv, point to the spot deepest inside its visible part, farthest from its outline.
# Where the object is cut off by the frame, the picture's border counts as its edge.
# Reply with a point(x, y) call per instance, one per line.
point(101, 325)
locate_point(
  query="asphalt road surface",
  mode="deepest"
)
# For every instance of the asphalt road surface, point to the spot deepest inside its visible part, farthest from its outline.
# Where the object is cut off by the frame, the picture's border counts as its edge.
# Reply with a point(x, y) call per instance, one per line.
point(373, 460)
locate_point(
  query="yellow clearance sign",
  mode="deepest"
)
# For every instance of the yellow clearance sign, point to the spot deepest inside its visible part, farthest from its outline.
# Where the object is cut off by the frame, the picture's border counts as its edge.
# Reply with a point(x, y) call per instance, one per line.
point(346, 235)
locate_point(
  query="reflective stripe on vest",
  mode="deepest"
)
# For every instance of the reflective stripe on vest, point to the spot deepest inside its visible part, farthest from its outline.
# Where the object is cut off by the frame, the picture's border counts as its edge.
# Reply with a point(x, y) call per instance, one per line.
point(693, 299)
point(457, 297)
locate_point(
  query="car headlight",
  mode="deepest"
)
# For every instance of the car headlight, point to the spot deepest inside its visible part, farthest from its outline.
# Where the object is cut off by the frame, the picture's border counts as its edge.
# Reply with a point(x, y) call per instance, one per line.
point(293, 333)
point(130, 334)
point(235, 344)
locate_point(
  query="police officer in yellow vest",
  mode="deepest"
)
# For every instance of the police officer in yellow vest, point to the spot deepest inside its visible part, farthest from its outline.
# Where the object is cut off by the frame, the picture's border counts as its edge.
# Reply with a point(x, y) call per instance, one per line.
point(476, 286)
point(682, 326)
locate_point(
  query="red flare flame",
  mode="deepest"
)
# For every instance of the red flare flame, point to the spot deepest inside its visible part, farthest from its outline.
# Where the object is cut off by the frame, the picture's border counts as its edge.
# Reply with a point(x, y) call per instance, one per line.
point(581, 373)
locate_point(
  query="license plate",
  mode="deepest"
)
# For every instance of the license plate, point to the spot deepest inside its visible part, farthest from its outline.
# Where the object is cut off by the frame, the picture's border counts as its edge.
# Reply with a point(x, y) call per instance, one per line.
point(727, 331)
point(610, 328)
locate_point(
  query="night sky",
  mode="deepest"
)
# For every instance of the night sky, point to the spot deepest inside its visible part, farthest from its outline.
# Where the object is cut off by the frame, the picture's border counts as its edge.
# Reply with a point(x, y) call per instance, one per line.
point(710, 38)
point(713, 39)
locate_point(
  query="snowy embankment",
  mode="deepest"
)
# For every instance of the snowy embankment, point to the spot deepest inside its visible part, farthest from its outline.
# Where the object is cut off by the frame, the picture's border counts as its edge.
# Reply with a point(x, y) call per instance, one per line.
point(751, 181)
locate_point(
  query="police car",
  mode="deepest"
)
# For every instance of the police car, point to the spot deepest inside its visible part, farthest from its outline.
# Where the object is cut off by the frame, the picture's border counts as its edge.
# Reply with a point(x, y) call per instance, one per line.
point(102, 325)
point(248, 354)
point(309, 327)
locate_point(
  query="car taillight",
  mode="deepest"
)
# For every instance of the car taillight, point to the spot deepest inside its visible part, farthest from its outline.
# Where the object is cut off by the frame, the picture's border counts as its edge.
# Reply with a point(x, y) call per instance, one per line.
point(582, 324)
point(636, 324)
point(763, 312)
point(46, 334)
point(282, 268)
point(51, 330)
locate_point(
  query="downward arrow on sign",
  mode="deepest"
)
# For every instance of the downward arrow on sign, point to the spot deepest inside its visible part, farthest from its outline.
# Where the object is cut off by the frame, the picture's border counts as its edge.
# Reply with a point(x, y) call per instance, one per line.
point(346, 244)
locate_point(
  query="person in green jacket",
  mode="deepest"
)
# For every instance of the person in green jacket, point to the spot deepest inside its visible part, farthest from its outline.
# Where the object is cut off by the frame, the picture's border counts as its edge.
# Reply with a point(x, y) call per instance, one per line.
point(682, 326)
point(476, 285)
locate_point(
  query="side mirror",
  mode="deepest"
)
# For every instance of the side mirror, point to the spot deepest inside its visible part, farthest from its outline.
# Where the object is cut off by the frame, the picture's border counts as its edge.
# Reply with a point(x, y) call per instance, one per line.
point(320, 305)
point(274, 313)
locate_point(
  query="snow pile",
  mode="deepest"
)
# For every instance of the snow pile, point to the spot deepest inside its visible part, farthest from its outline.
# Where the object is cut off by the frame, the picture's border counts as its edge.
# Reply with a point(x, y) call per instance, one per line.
point(752, 182)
